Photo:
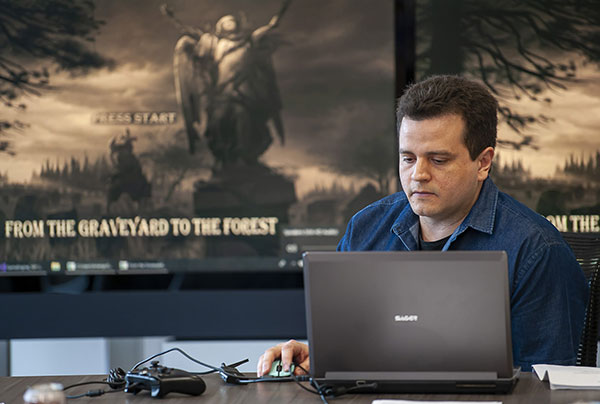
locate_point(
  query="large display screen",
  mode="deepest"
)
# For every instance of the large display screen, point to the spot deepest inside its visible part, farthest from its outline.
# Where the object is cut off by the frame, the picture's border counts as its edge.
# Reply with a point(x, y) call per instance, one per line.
point(177, 136)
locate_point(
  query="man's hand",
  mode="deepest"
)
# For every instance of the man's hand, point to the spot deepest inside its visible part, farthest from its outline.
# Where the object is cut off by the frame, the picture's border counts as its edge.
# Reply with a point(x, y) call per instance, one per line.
point(291, 351)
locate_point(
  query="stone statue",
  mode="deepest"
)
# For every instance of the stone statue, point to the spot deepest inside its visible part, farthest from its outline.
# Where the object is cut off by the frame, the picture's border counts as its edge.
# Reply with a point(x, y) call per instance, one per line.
point(226, 87)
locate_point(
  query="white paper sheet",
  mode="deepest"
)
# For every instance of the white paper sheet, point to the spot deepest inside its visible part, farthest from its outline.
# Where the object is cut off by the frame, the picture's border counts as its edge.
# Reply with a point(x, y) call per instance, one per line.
point(569, 377)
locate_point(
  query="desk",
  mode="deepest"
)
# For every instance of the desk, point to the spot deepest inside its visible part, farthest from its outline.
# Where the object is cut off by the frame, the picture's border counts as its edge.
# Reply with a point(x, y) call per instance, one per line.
point(528, 390)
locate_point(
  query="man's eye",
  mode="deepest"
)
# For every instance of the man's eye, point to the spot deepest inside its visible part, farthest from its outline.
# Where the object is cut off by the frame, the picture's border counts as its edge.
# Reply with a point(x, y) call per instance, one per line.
point(439, 161)
point(407, 159)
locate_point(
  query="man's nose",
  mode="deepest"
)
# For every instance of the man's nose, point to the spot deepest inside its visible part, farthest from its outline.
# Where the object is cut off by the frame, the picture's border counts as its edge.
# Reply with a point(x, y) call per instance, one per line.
point(421, 171)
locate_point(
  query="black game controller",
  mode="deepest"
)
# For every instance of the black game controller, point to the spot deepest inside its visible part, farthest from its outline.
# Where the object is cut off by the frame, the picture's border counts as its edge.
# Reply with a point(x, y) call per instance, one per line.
point(161, 380)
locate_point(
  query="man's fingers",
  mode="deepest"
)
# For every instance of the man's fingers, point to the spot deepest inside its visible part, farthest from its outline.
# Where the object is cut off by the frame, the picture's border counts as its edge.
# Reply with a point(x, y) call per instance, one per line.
point(266, 360)
point(287, 355)
point(259, 365)
point(291, 351)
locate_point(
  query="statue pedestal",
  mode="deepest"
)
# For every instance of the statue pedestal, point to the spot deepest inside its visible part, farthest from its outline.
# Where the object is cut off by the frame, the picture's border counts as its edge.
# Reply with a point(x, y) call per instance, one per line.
point(252, 202)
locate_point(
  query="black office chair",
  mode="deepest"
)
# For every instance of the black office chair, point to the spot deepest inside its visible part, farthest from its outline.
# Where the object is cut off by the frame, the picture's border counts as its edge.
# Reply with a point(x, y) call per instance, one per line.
point(586, 247)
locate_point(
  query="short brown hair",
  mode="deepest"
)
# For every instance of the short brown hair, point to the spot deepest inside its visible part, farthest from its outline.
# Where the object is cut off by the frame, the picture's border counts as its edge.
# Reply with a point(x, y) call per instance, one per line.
point(441, 95)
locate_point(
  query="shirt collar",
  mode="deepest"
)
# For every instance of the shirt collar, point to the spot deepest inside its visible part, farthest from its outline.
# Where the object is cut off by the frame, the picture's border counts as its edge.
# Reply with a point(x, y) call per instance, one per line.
point(483, 213)
point(481, 218)
point(406, 227)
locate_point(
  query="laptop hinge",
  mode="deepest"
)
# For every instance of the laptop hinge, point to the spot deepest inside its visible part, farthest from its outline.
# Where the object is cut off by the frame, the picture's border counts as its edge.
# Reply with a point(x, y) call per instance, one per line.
point(411, 376)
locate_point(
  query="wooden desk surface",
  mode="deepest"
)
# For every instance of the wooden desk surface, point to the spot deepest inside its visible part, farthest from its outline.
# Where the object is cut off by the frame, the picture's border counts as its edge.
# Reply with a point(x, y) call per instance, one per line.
point(528, 390)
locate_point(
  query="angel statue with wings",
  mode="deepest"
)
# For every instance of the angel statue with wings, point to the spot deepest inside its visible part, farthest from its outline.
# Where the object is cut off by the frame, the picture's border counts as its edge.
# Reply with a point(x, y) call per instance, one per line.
point(226, 87)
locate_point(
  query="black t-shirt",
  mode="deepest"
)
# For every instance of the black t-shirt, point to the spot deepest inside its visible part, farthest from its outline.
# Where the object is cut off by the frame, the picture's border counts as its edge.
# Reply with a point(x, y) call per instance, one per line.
point(432, 245)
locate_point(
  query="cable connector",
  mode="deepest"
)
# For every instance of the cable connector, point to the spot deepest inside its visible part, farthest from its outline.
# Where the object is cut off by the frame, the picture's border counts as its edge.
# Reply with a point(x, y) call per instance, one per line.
point(95, 393)
point(230, 373)
point(229, 378)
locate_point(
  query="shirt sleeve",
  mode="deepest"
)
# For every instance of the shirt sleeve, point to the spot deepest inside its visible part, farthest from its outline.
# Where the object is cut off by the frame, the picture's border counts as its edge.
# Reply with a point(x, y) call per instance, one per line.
point(548, 305)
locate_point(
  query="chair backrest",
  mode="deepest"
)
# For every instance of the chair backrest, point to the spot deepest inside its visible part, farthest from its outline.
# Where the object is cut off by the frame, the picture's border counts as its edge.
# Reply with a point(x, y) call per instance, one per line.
point(586, 247)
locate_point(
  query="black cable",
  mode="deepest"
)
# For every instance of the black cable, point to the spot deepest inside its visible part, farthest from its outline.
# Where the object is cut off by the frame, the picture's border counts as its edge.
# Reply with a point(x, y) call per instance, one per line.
point(229, 373)
point(116, 377)
point(94, 393)
point(326, 390)
point(298, 382)
point(316, 390)
point(84, 384)
point(298, 379)
point(208, 372)
point(320, 390)
point(214, 368)
point(77, 396)
point(115, 380)
point(268, 379)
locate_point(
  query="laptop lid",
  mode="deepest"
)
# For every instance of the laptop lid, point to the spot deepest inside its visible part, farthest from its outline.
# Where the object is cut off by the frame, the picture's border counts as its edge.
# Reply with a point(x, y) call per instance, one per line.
point(418, 315)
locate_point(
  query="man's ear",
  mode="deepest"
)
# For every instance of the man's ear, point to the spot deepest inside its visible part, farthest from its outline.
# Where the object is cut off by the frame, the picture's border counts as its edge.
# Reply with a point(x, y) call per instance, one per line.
point(484, 160)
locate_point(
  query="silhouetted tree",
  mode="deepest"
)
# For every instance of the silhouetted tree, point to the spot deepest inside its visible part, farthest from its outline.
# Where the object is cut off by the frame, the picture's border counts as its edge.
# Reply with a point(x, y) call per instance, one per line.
point(32, 32)
point(373, 157)
point(518, 48)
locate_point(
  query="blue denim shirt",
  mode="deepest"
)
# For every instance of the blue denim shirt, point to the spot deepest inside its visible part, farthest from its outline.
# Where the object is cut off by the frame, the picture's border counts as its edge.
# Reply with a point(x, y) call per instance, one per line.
point(548, 290)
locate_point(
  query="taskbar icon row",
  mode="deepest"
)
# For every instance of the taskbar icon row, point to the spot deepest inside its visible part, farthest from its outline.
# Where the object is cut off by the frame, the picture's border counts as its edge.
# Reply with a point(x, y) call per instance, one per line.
point(82, 268)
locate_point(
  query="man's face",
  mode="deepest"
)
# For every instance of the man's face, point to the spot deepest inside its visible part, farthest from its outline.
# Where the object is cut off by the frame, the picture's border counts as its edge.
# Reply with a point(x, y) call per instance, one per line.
point(440, 179)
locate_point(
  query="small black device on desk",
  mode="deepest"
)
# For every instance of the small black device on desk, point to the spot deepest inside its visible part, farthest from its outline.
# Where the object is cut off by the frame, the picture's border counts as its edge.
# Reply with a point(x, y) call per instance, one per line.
point(160, 380)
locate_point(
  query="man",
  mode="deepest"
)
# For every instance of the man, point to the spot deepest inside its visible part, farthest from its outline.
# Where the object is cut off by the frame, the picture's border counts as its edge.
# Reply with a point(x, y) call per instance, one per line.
point(447, 137)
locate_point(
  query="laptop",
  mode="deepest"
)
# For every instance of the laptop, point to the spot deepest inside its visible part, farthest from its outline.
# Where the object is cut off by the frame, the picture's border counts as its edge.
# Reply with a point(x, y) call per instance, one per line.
point(409, 322)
